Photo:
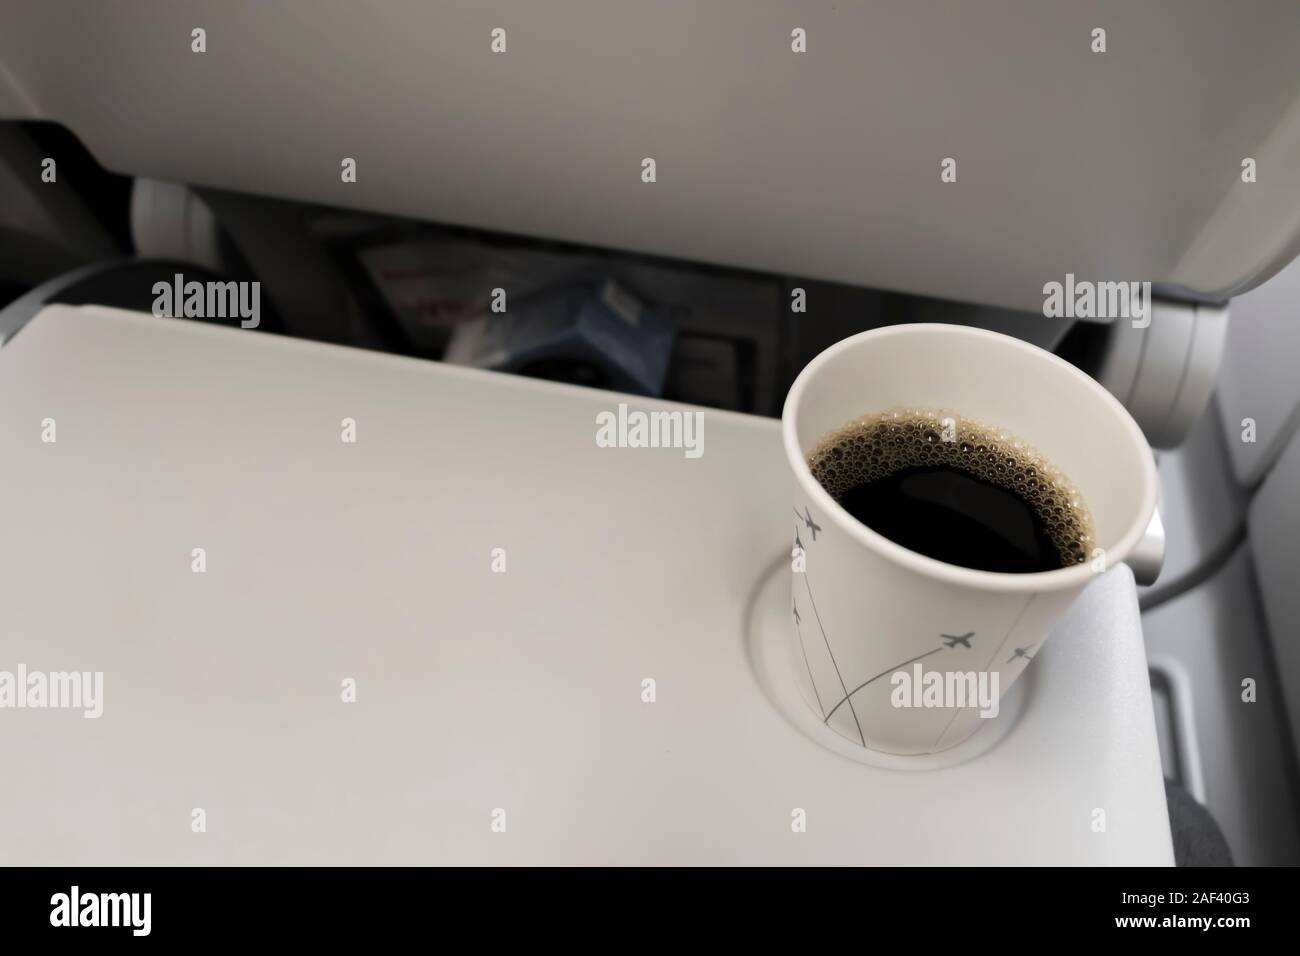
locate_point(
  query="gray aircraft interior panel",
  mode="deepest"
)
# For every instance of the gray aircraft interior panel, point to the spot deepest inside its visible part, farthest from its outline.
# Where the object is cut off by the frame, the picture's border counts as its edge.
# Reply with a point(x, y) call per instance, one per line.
point(825, 163)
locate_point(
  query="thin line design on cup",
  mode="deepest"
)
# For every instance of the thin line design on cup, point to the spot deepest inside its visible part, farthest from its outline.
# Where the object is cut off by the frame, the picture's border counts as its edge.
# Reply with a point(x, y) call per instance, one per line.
point(887, 670)
point(799, 631)
point(843, 686)
point(794, 607)
point(997, 649)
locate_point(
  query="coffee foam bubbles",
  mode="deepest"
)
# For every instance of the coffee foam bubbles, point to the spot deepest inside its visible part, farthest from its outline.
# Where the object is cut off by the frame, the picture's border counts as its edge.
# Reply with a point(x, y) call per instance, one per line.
point(878, 445)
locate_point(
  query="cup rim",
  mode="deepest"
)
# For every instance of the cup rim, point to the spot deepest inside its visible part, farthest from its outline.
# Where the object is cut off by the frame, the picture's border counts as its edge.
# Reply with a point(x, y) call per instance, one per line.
point(1003, 581)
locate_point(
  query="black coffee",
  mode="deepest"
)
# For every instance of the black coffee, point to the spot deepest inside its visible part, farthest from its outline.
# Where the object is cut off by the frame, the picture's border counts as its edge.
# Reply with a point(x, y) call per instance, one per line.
point(955, 490)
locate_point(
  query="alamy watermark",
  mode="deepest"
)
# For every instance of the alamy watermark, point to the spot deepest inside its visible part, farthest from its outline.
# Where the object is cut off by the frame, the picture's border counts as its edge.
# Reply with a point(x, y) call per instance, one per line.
point(637, 429)
point(942, 689)
point(209, 300)
point(1083, 299)
point(56, 690)
point(129, 910)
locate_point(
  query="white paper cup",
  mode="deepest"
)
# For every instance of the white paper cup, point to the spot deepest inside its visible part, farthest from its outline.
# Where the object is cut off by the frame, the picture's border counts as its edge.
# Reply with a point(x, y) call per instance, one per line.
point(865, 609)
